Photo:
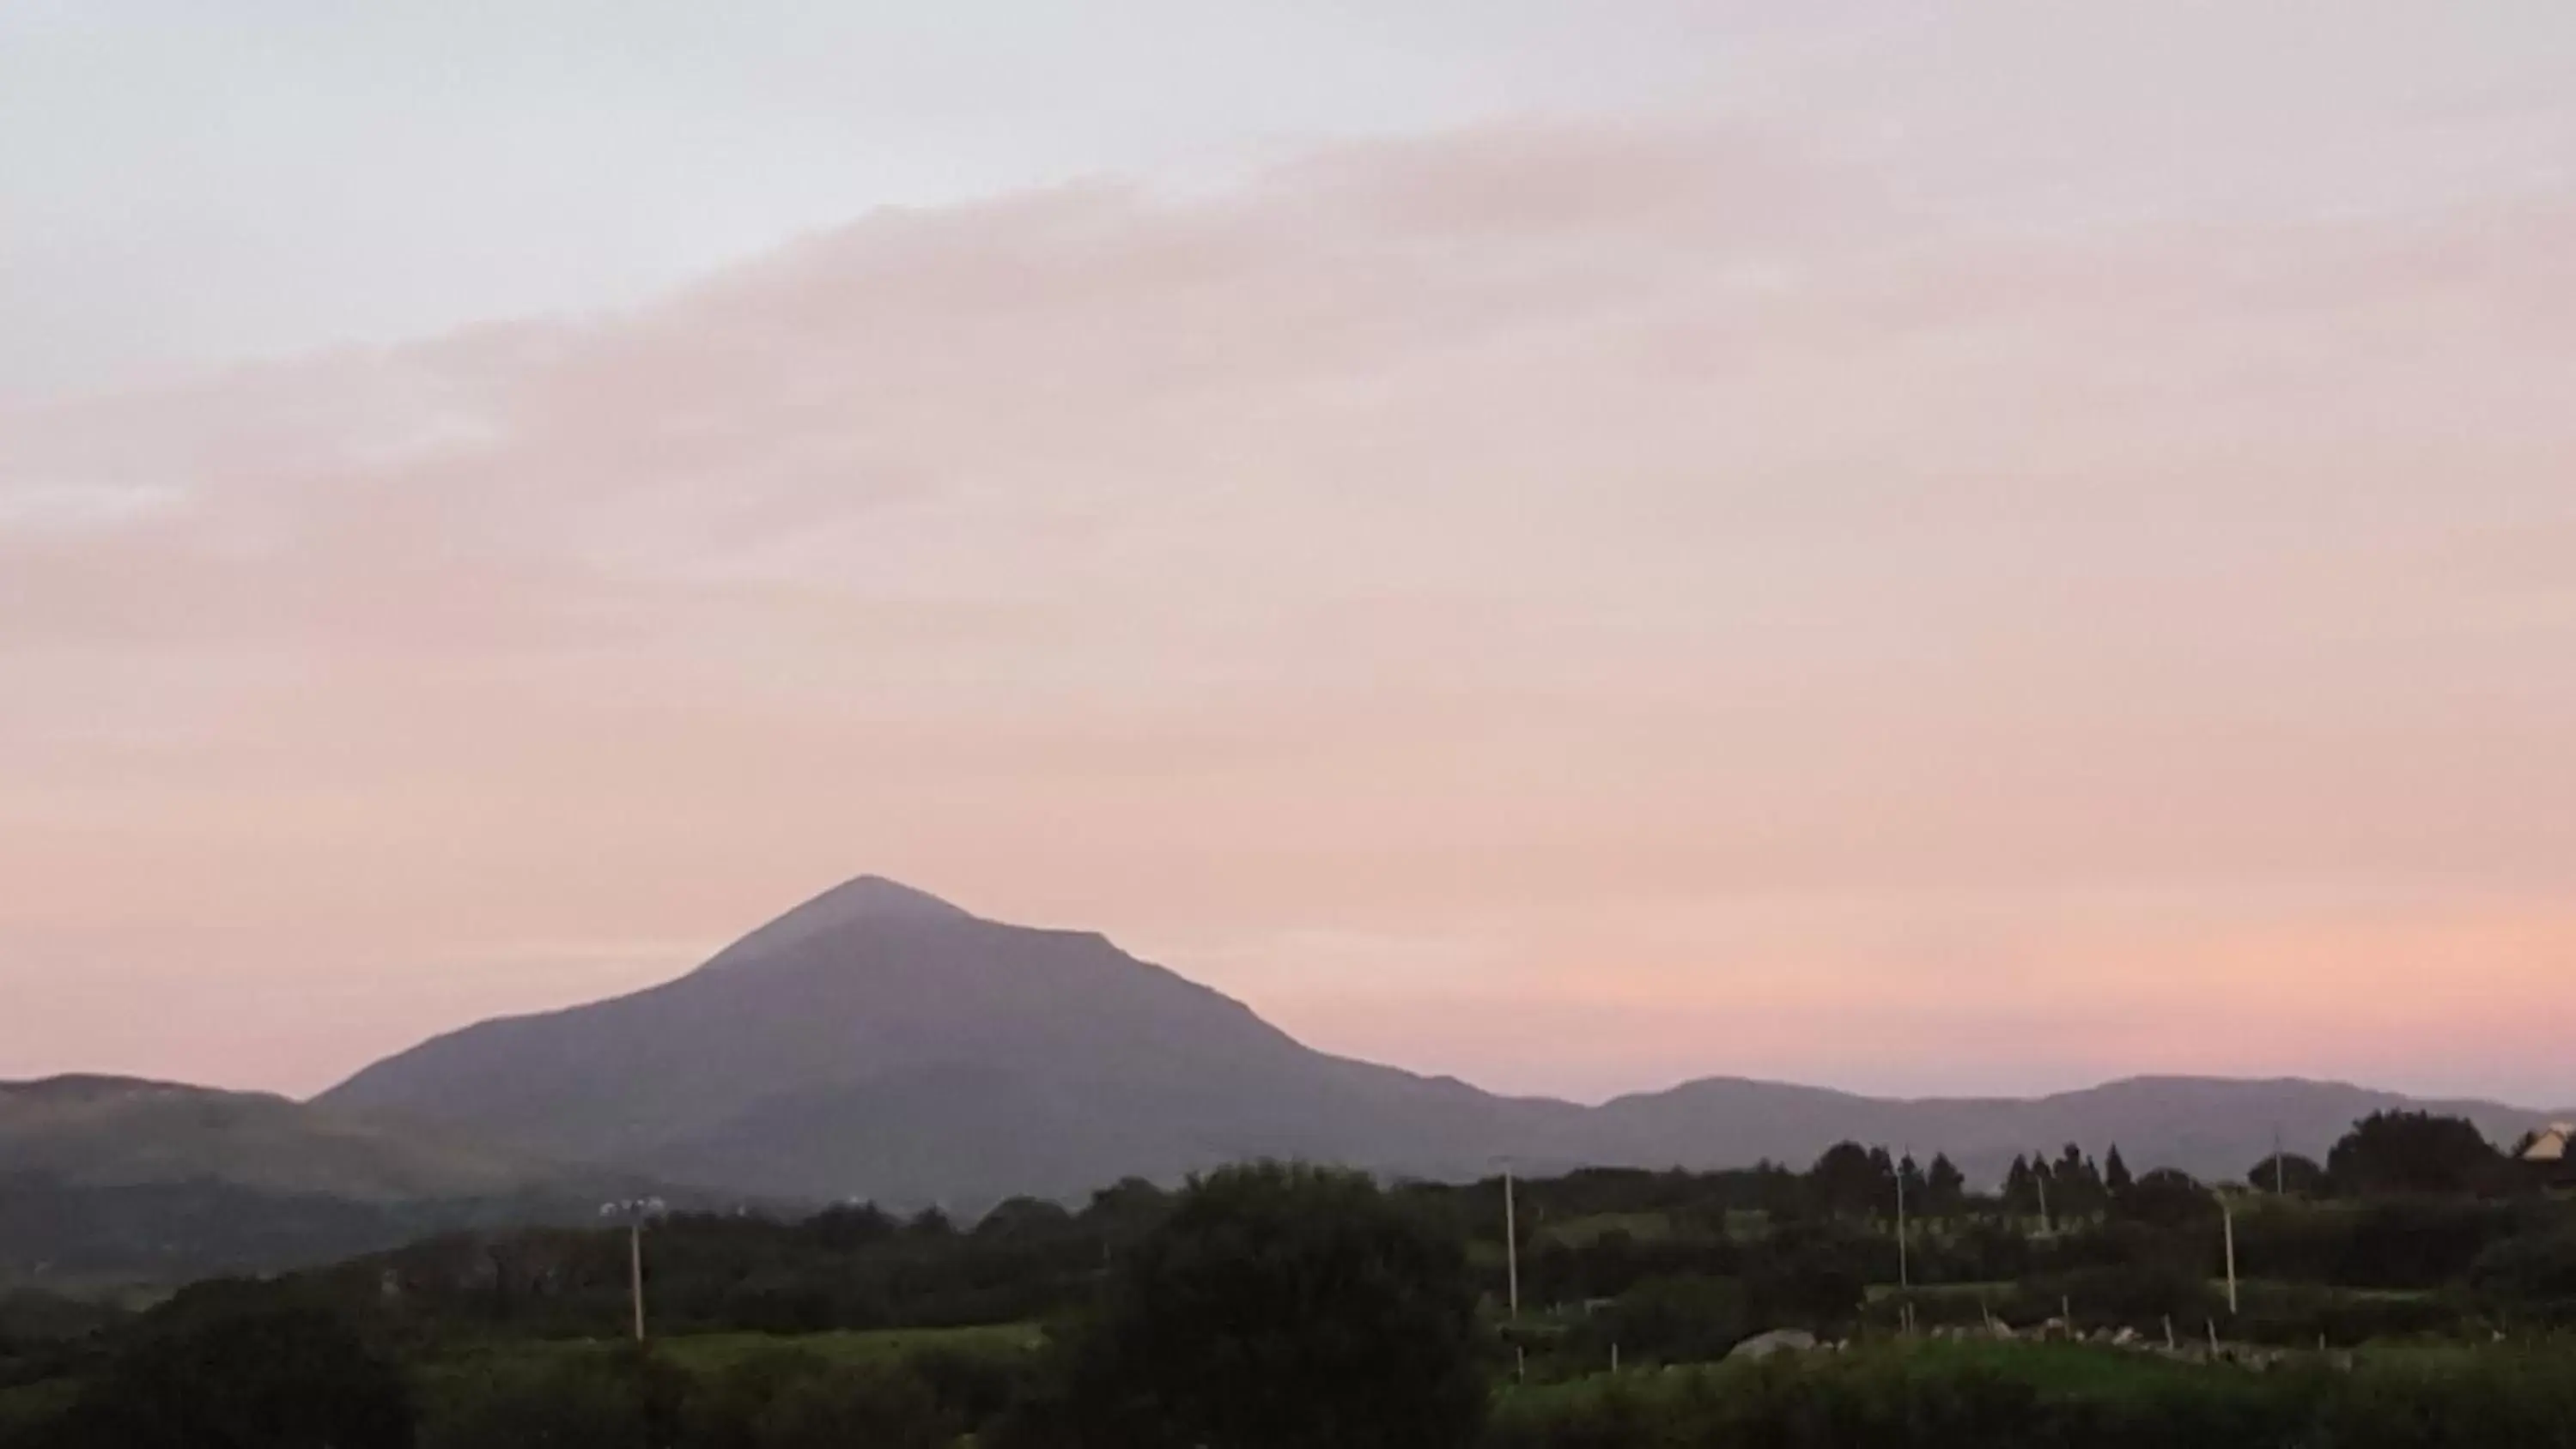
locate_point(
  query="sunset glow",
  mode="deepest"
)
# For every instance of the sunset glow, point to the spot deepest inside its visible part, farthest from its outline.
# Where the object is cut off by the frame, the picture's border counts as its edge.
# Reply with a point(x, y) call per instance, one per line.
point(1793, 574)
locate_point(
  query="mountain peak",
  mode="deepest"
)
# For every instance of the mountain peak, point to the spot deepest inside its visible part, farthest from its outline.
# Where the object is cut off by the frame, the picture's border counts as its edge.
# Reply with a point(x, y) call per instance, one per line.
point(874, 895)
point(866, 898)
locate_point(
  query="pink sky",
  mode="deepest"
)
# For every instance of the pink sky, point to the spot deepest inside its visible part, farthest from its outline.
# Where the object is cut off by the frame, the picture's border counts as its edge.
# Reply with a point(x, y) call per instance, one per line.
point(1575, 603)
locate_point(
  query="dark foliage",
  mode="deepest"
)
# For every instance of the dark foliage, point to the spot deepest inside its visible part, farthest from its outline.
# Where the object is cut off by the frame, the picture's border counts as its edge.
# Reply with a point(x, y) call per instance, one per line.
point(1279, 1308)
point(282, 1376)
point(2168, 1199)
point(2413, 1152)
point(2288, 1174)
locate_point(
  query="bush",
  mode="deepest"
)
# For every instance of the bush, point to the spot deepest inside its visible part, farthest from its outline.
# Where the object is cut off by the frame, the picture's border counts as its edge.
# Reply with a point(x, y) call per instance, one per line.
point(2024, 1397)
point(2141, 1297)
point(265, 1377)
point(1672, 1320)
point(2528, 1271)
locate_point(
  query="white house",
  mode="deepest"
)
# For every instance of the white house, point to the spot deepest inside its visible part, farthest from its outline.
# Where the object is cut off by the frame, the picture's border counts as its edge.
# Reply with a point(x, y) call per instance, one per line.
point(2550, 1144)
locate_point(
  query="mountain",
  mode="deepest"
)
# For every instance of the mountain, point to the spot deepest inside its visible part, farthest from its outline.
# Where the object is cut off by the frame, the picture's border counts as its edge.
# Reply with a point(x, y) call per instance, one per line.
point(879, 1042)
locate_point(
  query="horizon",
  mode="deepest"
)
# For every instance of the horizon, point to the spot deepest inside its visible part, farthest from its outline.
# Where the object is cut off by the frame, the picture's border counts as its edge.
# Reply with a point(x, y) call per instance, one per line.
point(1954, 555)
point(919, 895)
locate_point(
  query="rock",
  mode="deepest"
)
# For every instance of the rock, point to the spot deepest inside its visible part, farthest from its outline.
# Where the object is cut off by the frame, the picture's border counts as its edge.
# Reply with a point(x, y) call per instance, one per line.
point(1778, 1340)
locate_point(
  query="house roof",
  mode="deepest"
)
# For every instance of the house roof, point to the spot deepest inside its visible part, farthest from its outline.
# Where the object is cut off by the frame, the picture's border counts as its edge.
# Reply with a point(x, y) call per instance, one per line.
point(2550, 1144)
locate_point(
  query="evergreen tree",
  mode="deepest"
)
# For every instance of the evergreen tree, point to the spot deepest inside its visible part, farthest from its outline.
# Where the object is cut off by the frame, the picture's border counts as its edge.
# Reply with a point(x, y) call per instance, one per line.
point(2116, 1181)
point(1944, 1187)
point(1916, 1187)
point(2021, 1192)
point(1850, 1180)
point(2078, 1184)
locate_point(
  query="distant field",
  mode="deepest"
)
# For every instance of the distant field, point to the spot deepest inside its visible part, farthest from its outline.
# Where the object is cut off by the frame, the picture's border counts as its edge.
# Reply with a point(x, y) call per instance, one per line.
point(2067, 1369)
point(1996, 1292)
point(34, 1403)
point(1577, 1232)
point(716, 1352)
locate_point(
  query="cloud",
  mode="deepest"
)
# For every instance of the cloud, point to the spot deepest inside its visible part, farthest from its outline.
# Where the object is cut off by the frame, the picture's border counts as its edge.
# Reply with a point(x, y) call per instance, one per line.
point(1524, 533)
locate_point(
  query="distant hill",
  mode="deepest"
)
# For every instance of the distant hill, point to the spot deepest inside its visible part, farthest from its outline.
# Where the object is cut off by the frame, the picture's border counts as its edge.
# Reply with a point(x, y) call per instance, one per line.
point(2213, 1127)
point(109, 1179)
point(123, 1132)
point(879, 1042)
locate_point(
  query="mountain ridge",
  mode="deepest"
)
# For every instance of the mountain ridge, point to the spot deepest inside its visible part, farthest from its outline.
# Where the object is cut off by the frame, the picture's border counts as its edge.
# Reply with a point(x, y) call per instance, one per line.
point(876, 1040)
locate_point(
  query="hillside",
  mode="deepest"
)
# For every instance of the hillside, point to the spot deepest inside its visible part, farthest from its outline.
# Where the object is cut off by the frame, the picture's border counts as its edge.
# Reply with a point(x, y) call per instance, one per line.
point(879, 1042)
point(107, 1180)
point(89, 1131)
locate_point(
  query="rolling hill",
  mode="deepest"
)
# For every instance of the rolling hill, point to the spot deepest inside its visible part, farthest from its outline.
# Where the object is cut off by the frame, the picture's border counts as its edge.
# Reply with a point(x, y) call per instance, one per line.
point(112, 1179)
point(89, 1131)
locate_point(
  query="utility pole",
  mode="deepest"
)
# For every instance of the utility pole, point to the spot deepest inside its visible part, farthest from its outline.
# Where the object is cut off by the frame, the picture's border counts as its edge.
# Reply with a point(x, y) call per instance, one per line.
point(1511, 1242)
point(2227, 1213)
point(1904, 1275)
point(2280, 1179)
point(635, 1261)
point(635, 1211)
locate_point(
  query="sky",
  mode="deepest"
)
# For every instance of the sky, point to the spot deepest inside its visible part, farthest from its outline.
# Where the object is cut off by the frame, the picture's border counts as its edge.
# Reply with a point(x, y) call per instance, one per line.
point(1975, 548)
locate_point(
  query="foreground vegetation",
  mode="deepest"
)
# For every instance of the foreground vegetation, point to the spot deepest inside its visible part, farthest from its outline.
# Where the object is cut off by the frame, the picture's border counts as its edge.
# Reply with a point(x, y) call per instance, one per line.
point(2038, 1396)
point(1293, 1307)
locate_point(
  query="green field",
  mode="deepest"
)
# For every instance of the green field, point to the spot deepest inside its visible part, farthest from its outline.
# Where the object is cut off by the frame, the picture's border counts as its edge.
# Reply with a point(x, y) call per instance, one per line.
point(1577, 1232)
point(716, 1352)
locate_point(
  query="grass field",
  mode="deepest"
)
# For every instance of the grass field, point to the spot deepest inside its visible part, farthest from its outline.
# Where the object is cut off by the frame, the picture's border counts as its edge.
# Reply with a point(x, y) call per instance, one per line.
point(1578, 1232)
point(714, 1353)
point(1992, 1292)
point(34, 1403)
point(2051, 1369)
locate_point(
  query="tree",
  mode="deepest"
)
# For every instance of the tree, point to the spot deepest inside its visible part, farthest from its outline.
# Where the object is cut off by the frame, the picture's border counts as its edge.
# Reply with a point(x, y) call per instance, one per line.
point(2400, 1152)
point(1850, 1180)
point(2168, 1199)
point(1814, 1276)
point(2043, 1182)
point(850, 1226)
point(263, 1376)
point(1024, 1218)
point(1945, 1187)
point(2287, 1172)
point(2116, 1181)
point(2021, 1188)
point(2076, 1184)
point(1282, 1307)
